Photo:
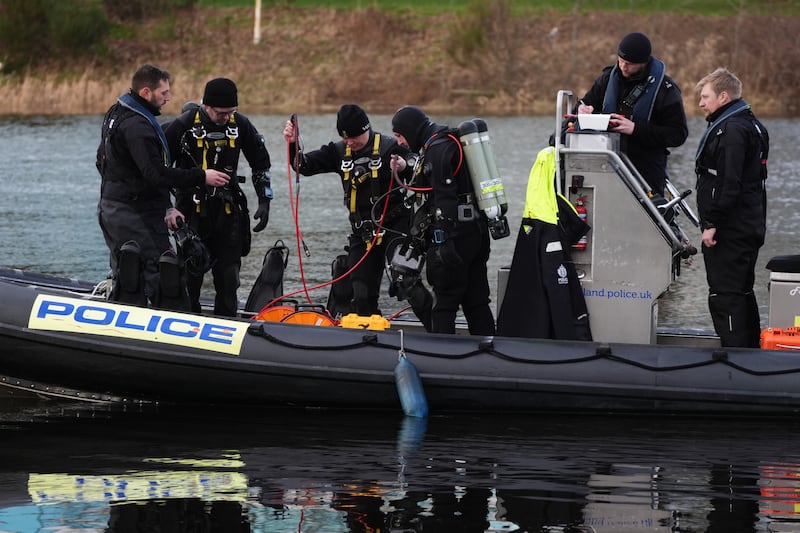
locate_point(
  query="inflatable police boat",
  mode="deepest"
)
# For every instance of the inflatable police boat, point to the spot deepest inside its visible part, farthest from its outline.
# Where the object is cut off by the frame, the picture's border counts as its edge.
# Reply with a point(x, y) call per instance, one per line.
point(54, 331)
point(57, 331)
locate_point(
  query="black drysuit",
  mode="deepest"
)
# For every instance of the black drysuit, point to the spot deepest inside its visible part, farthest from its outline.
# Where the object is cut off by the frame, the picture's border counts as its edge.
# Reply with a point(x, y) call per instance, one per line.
point(731, 197)
point(362, 190)
point(134, 195)
point(219, 214)
point(458, 249)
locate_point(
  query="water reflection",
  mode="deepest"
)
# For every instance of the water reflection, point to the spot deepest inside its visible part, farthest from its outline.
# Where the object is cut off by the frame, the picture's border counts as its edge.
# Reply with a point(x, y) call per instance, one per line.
point(300, 471)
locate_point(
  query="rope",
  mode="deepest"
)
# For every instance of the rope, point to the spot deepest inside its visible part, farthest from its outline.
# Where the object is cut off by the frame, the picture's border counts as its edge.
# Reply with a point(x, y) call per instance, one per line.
point(602, 352)
point(295, 207)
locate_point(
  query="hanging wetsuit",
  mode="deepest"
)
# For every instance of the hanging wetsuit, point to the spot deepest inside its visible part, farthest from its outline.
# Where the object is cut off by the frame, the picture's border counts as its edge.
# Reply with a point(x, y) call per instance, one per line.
point(544, 298)
point(220, 214)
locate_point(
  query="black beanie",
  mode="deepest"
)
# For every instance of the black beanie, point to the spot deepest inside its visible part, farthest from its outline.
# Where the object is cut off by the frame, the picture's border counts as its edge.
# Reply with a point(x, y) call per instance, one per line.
point(635, 48)
point(221, 92)
point(351, 121)
point(409, 121)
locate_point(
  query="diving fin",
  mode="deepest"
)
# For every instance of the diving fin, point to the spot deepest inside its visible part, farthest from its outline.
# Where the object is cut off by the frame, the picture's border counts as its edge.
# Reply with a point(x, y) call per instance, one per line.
point(269, 283)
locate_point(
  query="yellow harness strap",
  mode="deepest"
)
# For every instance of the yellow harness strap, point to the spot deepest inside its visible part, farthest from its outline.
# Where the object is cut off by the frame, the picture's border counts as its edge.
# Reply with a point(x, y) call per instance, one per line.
point(348, 153)
point(202, 142)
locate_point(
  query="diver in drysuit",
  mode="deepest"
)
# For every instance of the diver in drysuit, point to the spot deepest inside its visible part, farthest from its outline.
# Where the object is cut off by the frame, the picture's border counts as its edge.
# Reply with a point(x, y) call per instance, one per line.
point(362, 161)
point(212, 135)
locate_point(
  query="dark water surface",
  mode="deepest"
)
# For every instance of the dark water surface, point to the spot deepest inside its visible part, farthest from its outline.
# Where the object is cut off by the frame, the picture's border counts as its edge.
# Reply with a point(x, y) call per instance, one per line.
point(66, 468)
point(282, 471)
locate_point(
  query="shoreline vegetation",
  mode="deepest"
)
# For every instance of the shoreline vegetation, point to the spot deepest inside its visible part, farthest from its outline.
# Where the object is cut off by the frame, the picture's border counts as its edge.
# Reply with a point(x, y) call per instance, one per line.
point(487, 57)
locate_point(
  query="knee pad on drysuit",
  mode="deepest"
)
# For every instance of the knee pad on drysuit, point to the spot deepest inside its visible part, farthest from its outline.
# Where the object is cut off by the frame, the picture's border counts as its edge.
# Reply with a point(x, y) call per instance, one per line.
point(172, 292)
point(129, 285)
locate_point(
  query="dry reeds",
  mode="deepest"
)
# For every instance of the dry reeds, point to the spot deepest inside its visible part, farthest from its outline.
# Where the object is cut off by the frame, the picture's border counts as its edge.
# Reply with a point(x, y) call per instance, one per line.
point(314, 60)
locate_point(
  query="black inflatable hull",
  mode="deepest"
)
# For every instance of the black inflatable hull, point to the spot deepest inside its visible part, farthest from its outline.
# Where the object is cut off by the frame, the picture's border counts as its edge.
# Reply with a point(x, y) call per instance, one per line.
point(53, 331)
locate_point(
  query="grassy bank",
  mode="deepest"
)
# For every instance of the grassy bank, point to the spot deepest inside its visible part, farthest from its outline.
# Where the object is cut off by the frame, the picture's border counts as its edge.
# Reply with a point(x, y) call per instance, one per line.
point(488, 57)
point(528, 7)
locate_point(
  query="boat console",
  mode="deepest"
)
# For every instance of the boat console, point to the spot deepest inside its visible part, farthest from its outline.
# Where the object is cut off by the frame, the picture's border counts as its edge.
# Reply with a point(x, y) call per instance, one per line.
point(634, 249)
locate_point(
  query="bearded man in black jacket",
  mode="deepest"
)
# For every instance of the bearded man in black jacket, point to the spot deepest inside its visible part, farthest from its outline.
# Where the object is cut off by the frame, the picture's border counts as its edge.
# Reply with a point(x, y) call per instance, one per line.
point(135, 164)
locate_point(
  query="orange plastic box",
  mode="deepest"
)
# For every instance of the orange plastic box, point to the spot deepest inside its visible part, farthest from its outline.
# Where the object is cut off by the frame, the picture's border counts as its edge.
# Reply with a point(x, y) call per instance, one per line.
point(781, 339)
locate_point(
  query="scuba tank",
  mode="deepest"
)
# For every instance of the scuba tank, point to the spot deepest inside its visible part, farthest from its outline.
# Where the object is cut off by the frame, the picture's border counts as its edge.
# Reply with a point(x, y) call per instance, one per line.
point(482, 166)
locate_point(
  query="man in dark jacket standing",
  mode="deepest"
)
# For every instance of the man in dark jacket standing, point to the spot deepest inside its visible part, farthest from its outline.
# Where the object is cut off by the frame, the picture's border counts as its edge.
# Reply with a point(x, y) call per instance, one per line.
point(646, 107)
point(212, 135)
point(134, 162)
point(731, 166)
point(457, 234)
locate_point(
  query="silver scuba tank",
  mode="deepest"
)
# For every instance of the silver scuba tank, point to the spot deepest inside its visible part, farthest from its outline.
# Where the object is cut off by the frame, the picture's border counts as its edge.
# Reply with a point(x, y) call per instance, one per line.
point(482, 167)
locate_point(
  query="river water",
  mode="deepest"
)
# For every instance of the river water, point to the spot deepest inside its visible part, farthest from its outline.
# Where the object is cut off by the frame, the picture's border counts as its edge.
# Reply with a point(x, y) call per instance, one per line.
point(50, 188)
point(65, 467)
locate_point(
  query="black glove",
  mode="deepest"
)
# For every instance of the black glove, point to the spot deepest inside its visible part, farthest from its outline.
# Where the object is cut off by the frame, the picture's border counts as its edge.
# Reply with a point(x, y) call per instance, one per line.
point(446, 254)
point(262, 214)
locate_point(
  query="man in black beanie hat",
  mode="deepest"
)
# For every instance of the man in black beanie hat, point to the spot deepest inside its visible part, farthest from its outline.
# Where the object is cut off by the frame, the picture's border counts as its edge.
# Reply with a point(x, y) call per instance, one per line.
point(351, 121)
point(646, 108)
point(221, 92)
point(379, 216)
point(212, 135)
point(457, 240)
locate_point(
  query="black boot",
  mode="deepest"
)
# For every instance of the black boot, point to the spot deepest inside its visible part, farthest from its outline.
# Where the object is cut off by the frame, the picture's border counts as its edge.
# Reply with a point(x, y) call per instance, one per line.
point(172, 293)
point(128, 285)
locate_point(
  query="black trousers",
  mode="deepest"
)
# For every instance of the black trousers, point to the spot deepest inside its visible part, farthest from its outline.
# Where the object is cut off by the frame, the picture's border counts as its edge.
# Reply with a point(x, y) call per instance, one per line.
point(220, 229)
point(127, 221)
point(465, 285)
point(730, 272)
